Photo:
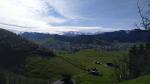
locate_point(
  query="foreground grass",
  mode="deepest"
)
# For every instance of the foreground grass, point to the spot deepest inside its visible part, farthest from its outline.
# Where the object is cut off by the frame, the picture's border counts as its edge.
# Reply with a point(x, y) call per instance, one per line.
point(75, 64)
point(49, 69)
point(139, 80)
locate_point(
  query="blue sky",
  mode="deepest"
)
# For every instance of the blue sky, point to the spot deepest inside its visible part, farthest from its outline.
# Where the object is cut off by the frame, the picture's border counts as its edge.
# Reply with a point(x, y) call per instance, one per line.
point(56, 16)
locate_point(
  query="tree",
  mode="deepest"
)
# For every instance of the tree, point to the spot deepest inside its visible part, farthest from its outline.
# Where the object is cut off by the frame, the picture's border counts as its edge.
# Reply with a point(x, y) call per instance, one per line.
point(139, 57)
point(144, 12)
point(121, 69)
point(133, 62)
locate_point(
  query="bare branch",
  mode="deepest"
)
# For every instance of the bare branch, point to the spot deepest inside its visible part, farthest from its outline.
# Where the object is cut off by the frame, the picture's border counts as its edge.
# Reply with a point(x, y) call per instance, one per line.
point(144, 18)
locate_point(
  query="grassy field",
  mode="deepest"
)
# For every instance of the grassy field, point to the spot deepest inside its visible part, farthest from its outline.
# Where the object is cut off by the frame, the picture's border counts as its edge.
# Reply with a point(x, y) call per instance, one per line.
point(139, 80)
point(47, 42)
point(85, 59)
point(44, 71)
point(49, 69)
point(76, 64)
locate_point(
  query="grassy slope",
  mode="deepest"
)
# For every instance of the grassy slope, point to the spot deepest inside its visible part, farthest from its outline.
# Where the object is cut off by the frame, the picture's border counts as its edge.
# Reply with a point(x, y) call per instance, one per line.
point(49, 41)
point(86, 59)
point(139, 80)
point(75, 64)
point(41, 70)
point(51, 69)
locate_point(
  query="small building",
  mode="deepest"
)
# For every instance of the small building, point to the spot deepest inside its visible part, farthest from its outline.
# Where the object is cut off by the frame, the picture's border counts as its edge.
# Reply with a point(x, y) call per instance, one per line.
point(94, 71)
point(111, 65)
point(98, 62)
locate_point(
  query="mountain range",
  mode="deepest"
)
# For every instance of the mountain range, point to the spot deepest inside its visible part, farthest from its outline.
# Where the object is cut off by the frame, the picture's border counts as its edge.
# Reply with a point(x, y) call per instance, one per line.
point(75, 41)
point(135, 35)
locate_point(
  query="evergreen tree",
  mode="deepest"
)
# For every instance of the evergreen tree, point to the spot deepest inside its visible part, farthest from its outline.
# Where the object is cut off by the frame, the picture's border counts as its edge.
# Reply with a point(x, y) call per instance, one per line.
point(139, 60)
point(133, 52)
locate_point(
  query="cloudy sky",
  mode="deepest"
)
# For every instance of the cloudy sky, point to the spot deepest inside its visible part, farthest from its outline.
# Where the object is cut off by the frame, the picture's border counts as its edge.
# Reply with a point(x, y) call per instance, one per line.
point(56, 16)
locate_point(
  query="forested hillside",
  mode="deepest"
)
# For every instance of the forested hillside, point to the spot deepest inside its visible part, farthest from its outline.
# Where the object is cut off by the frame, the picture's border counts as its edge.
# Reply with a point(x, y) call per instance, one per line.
point(14, 49)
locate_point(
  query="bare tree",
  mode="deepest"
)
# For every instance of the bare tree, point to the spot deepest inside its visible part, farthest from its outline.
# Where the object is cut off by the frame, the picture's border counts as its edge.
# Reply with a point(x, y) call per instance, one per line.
point(144, 12)
point(121, 71)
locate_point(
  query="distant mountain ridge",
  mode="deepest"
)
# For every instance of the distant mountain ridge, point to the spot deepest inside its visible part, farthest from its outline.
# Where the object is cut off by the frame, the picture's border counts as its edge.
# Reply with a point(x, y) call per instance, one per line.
point(116, 40)
point(136, 35)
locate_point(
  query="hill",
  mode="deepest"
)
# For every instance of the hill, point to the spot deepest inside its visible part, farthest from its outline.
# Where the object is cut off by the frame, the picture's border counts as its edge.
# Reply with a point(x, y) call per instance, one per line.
point(77, 65)
point(116, 40)
point(79, 39)
point(85, 59)
point(135, 35)
point(140, 80)
point(14, 49)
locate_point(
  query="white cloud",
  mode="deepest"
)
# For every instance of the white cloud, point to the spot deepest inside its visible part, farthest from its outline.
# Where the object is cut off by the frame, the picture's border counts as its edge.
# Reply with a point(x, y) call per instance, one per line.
point(35, 16)
point(29, 13)
point(67, 8)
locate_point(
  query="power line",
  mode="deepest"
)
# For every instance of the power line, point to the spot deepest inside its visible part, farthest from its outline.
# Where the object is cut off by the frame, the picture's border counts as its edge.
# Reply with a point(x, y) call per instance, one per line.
point(15, 25)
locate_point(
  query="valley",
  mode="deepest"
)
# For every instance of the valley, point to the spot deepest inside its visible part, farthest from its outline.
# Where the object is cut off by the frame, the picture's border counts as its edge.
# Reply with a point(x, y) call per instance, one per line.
point(85, 63)
point(74, 41)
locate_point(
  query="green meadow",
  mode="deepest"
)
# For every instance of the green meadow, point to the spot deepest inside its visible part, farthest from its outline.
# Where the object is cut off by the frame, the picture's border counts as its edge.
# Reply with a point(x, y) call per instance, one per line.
point(76, 64)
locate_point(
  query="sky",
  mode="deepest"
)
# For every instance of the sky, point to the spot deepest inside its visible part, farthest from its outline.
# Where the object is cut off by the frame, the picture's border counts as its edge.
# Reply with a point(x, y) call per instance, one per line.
point(57, 16)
